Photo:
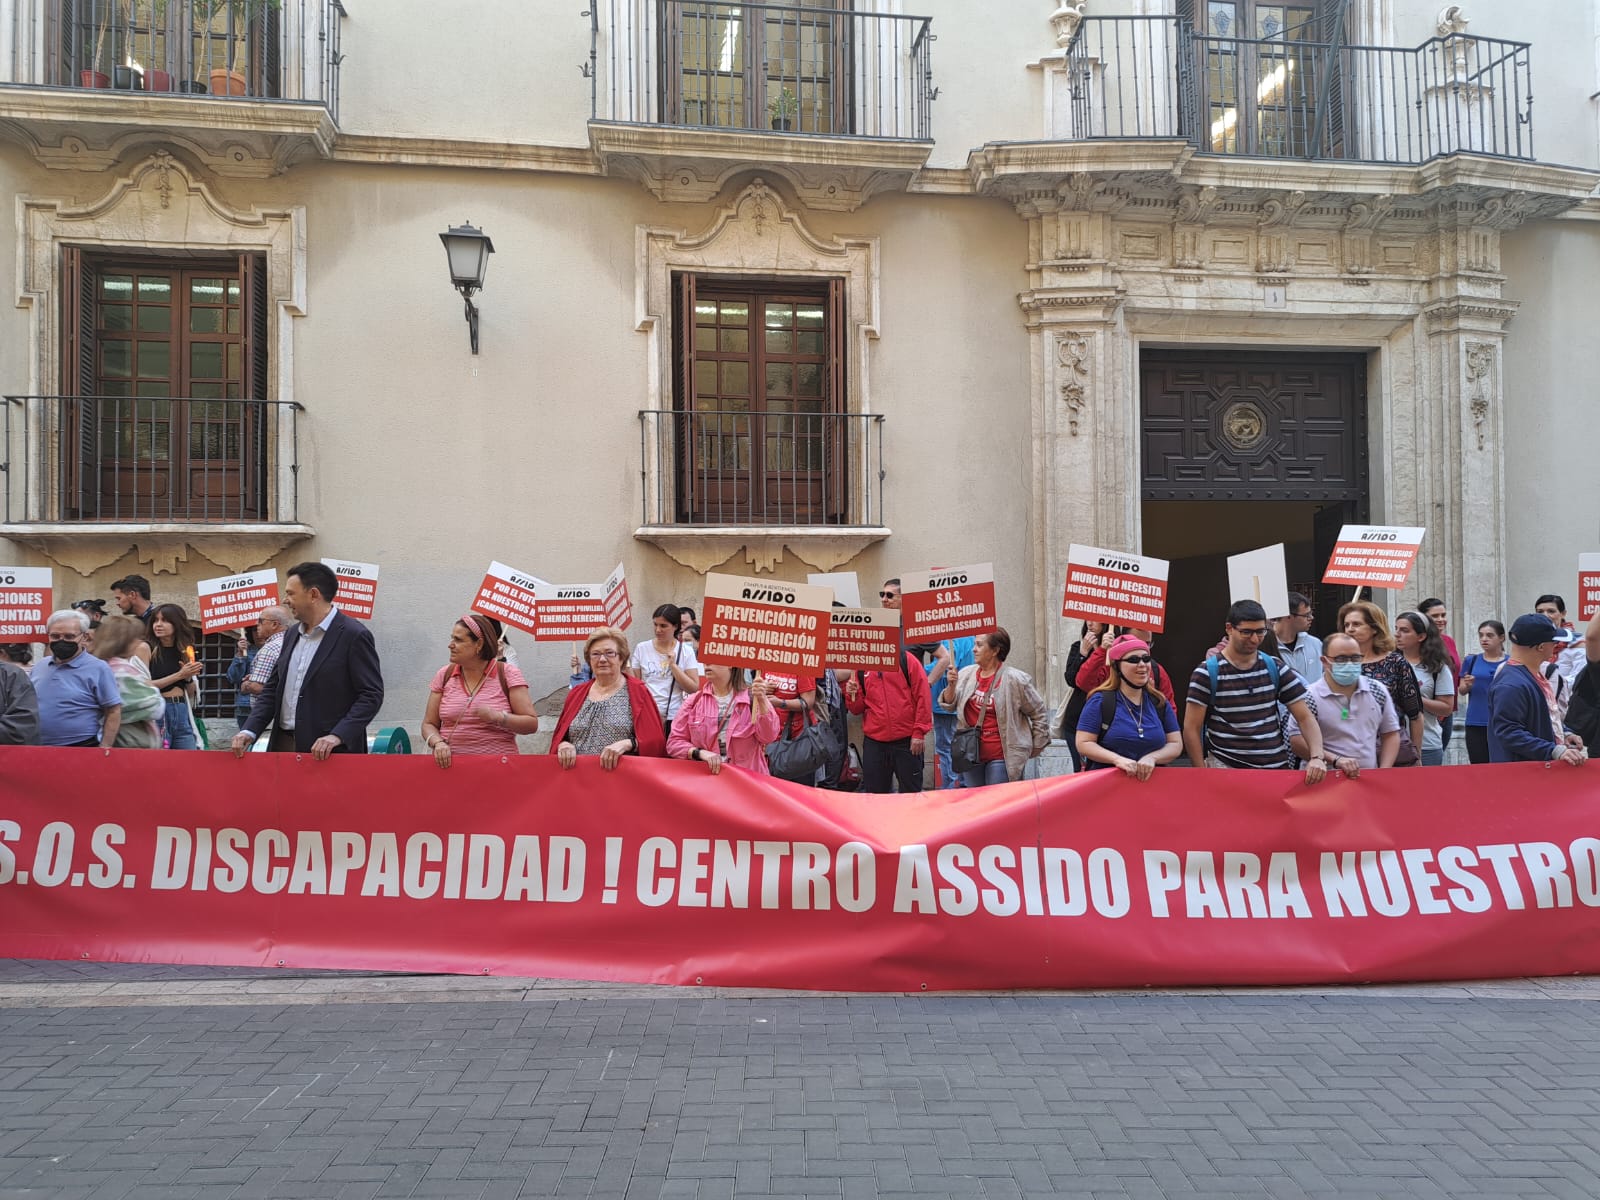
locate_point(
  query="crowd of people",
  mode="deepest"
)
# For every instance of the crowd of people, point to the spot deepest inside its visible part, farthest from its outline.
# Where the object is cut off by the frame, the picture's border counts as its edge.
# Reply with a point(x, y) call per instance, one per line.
point(1270, 695)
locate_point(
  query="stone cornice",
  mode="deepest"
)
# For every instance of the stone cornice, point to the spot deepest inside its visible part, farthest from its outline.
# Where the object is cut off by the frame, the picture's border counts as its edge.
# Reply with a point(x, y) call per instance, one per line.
point(469, 153)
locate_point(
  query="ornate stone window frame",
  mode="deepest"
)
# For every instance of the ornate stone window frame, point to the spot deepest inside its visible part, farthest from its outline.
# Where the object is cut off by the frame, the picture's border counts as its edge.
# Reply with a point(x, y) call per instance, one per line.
point(756, 233)
point(157, 205)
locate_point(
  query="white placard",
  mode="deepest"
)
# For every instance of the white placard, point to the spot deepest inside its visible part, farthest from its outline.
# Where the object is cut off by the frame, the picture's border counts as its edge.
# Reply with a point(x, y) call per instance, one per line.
point(1261, 575)
point(845, 584)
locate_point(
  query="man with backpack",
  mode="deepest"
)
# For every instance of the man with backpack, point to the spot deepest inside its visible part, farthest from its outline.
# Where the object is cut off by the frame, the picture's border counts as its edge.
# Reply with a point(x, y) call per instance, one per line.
point(1233, 703)
point(897, 716)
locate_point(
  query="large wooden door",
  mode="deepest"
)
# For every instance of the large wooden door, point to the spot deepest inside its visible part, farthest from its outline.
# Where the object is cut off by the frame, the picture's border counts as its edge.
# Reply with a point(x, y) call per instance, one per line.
point(1253, 425)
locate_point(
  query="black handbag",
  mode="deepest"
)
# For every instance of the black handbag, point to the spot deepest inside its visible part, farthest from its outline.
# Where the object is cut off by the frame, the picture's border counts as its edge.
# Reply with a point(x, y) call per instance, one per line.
point(966, 750)
point(802, 754)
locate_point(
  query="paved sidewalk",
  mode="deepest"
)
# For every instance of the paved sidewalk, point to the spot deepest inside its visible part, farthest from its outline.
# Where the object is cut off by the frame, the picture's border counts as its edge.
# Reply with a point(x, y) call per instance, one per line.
point(173, 1082)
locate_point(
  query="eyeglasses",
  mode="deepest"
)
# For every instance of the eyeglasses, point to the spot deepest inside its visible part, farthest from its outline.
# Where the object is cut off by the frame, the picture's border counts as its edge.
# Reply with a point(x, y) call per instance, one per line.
point(1344, 658)
point(594, 654)
point(887, 595)
point(1251, 633)
point(1136, 659)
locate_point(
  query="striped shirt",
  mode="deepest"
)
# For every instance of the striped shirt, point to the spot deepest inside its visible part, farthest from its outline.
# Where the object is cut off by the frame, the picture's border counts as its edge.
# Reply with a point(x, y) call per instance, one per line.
point(1242, 725)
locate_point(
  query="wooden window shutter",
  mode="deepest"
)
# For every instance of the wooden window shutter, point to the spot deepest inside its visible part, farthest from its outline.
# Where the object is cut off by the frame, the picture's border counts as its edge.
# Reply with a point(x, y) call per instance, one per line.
point(254, 419)
point(837, 446)
point(80, 412)
point(683, 427)
point(1332, 32)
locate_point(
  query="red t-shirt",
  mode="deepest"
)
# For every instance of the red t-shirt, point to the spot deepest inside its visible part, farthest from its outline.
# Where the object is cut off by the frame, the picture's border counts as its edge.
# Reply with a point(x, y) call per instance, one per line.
point(980, 713)
point(789, 687)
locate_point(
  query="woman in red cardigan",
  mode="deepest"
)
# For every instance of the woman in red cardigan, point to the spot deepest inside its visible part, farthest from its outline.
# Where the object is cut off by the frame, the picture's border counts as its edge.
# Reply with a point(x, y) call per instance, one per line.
point(610, 715)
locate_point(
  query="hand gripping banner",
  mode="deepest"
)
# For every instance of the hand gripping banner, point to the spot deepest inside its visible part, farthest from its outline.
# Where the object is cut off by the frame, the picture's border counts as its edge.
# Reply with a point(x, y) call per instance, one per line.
point(659, 872)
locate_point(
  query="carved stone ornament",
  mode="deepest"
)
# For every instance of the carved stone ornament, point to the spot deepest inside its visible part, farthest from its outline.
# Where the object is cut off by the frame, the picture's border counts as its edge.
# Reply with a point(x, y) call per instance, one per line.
point(1066, 19)
point(1072, 353)
point(1243, 425)
point(1480, 384)
point(1452, 22)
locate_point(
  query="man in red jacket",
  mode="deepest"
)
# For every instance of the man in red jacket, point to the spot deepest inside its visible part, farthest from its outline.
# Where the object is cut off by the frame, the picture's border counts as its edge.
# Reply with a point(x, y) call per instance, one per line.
point(896, 708)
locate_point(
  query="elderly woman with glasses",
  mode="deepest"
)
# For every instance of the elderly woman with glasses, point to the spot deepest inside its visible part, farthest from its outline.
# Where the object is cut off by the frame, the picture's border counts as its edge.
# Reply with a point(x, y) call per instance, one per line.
point(1128, 722)
point(610, 715)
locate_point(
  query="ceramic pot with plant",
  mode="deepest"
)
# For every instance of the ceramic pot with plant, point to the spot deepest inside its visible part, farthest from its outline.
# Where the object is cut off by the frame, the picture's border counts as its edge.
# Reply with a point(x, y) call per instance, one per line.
point(228, 80)
point(782, 109)
point(92, 76)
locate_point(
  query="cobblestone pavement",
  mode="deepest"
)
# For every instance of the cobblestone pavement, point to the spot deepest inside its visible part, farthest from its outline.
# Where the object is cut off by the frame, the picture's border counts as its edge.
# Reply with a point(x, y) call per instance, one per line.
point(172, 1082)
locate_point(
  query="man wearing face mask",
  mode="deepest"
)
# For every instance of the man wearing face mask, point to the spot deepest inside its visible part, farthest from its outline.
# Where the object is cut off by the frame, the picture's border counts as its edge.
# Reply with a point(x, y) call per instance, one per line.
point(1356, 714)
point(79, 701)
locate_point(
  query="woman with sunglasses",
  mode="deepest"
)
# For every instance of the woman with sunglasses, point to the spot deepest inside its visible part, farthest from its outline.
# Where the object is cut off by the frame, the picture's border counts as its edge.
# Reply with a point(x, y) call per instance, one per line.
point(610, 715)
point(1128, 722)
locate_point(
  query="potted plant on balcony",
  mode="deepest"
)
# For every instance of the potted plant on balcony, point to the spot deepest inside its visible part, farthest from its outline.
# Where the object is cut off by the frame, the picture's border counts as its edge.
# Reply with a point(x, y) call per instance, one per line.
point(92, 76)
point(782, 109)
point(228, 80)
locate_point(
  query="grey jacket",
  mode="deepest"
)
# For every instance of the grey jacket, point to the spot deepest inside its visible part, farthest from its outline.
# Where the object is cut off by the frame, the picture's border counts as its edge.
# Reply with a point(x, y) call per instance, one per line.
point(1018, 709)
point(19, 707)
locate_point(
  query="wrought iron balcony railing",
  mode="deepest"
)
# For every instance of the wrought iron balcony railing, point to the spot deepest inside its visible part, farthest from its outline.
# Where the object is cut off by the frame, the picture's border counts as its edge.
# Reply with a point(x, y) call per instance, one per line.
point(741, 468)
point(1155, 77)
point(789, 68)
point(237, 49)
point(150, 460)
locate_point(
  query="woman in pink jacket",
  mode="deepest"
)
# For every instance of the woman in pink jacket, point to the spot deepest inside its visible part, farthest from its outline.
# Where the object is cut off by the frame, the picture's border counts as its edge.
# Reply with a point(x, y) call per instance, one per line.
point(728, 721)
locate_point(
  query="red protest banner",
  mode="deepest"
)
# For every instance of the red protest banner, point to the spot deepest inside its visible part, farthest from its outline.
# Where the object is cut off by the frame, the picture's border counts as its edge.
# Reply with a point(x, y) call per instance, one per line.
point(569, 612)
point(661, 873)
point(26, 602)
point(234, 601)
point(1378, 556)
point(508, 595)
point(1114, 587)
point(863, 639)
point(1588, 586)
point(947, 603)
point(764, 625)
point(358, 586)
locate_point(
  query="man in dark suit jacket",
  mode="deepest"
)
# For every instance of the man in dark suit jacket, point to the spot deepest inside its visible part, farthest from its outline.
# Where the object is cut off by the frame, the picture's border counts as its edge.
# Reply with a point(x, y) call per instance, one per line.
point(326, 686)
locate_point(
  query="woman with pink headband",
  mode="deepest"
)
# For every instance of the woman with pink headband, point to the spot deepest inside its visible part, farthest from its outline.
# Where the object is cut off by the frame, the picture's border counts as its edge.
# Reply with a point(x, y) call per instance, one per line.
point(476, 704)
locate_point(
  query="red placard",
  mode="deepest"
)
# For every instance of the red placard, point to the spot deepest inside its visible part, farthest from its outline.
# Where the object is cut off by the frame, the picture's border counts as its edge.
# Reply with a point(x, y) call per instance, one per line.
point(619, 608)
point(764, 624)
point(863, 639)
point(1377, 556)
point(661, 873)
point(1588, 586)
point(569, 612)
point(235, 601)
point(26, 600)
point(951, 602)
point(358, 586)
point(508, 595)
point(1116, 588)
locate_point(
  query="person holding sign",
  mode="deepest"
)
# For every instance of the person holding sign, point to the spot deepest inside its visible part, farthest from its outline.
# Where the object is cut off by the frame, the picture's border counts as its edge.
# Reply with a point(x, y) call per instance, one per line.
point(727, 721)
point(327, 685)
point(476, 703)
point(666, 665)
point(612, 714)
point(1128, 722)
point(172, 670)
point(897, 712)
point(1003, 706)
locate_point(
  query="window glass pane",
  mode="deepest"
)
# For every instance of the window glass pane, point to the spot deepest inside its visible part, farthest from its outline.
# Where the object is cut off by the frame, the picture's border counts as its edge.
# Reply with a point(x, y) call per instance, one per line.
point(205, 391)
point(116, 287)
point(705, 312)
point(736, 341)
point(112, 387)
point(154, 387)
point(705, 338)
point(155, 318)
point(810, 379)
point(735, 379)
point(811, 343)
point(155, 289)
point(205, 360)
point(235, 358)
point(116, 316)
point(155, 360)
point(735, 312)
point(116, 358)
point(1220, 17)
point(780, 379)
point(780, 341)
point(233, 291)
point(205, 320)
point(705, 381)
point(809, 317)
point(205, 291)
point(233, 320)
point(780, 316)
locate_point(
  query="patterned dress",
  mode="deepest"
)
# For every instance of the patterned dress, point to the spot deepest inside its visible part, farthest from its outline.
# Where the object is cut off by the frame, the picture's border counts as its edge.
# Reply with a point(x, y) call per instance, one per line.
point(600, 722)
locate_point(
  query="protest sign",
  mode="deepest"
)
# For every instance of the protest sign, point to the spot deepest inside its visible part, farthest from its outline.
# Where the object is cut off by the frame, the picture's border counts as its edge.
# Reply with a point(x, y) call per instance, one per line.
point(1588, 586)
point(508, 595)
point(358, 586)
point(950, 602)
point(863, 639)
point(846, 586)
point(764, 625)
point(1262, 576)
point(568, 612)
point(26, 599)
point(1117, 588)
point(1374, 556)
point(619, 607)
point(234, 601)
point(653, 872)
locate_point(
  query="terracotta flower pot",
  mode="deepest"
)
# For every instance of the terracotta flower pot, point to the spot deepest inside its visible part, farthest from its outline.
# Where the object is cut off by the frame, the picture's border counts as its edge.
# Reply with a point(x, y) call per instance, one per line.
point(157, 81)
point(227, 83)
point(93, 79)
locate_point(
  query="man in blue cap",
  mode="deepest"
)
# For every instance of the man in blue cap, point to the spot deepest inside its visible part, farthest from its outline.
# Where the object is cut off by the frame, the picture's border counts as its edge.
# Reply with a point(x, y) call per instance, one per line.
point(1523, 726)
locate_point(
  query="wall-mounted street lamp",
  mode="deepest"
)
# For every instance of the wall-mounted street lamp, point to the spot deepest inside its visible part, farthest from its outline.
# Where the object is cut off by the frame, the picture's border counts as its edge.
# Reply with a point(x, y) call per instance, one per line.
point(468, 250)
